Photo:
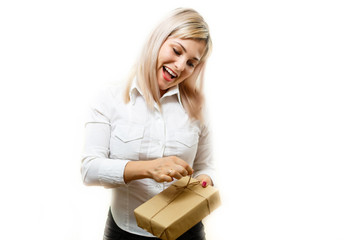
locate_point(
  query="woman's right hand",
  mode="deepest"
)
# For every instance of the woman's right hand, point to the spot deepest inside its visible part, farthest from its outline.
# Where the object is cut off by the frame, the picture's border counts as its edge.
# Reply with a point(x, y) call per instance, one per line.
point(161, 169)
point(167, 168)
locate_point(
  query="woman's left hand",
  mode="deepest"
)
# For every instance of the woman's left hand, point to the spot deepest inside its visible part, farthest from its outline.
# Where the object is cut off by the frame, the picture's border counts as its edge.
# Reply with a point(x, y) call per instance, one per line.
point(205, 180)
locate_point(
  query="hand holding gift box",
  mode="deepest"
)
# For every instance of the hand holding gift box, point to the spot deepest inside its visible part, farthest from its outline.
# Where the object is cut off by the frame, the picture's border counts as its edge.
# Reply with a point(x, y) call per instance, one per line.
point(176, 209)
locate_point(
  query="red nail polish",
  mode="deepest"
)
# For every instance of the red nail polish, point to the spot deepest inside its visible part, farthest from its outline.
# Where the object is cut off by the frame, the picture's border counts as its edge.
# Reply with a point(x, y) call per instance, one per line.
point(203, 184)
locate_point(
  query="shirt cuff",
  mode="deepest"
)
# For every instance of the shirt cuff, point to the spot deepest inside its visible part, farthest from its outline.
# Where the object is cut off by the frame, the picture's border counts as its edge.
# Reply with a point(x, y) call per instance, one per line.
point(111, 172)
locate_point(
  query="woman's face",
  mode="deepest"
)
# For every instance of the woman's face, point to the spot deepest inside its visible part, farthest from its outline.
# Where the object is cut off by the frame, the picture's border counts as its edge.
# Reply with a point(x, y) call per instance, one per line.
point(177, 60)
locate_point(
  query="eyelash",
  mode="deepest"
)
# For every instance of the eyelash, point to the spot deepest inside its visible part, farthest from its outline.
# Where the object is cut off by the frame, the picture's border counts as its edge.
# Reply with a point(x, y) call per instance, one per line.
point(178, 54)
point(190, 64)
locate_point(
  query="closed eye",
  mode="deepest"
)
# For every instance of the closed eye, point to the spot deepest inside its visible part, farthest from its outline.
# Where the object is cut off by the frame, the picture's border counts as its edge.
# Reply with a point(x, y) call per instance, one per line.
point(176, 52)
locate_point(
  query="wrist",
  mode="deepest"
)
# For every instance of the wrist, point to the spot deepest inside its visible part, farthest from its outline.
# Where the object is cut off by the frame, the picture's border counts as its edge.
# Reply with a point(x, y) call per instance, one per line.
point(136, 170)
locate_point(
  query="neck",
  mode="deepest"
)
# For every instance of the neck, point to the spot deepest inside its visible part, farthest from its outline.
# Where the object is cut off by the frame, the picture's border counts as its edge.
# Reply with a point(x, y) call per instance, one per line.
point(162, 92)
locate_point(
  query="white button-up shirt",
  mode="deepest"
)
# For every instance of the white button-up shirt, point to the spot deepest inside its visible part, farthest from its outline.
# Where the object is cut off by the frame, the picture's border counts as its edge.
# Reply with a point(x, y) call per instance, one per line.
point(117, 133)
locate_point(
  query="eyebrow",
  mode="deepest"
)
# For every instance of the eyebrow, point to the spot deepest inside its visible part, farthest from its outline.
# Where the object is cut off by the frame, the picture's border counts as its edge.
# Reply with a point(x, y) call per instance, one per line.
point(195, 58)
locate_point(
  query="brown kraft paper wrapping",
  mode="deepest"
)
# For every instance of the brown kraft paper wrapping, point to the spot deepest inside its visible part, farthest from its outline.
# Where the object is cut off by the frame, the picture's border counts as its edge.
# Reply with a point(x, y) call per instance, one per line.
point(176, 209)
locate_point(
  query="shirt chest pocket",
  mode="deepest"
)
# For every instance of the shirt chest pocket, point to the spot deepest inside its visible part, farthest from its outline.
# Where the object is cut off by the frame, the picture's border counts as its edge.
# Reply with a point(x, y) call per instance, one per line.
point(183, 144)
point(188, 139)
point(126, 141)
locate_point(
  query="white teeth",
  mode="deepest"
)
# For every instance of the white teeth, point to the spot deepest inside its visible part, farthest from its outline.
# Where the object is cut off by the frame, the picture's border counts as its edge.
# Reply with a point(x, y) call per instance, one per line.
point(170, 72)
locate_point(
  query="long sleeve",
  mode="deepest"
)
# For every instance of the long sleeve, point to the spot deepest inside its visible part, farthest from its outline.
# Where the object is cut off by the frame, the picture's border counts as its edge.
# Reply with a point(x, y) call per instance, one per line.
point(203, 163)
point(96, 167)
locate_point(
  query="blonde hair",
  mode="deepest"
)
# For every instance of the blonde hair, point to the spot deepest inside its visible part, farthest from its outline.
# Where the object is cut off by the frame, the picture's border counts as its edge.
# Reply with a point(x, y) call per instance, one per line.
point(182, 23)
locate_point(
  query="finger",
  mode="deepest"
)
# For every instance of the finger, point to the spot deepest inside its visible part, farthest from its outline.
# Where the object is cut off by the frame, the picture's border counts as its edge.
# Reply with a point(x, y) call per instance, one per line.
point(204, 180)
point(164, 178)
point(182, 171)
point(176, 175)
point(204, 184)
point(187, 168)
point(183, 164)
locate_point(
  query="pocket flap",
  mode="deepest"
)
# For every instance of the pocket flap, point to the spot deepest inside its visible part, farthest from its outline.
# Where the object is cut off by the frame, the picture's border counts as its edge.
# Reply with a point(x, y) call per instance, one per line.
point(189, 139)
point(130, 132)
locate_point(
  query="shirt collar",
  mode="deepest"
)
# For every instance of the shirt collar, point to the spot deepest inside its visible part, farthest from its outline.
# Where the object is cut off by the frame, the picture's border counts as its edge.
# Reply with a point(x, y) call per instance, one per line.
point(135, 89)
point(174, 91)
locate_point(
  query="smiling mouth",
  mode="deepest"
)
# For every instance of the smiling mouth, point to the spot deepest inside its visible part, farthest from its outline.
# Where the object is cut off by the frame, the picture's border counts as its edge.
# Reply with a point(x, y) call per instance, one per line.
point(168, 74)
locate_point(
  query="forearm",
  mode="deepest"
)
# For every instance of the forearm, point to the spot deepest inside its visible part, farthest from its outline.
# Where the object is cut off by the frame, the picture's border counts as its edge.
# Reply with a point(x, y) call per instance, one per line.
point(136, 170)
point(161, 169)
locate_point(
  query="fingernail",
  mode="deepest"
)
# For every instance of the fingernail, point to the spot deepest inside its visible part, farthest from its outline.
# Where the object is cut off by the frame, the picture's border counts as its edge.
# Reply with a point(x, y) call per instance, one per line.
point(203, 184)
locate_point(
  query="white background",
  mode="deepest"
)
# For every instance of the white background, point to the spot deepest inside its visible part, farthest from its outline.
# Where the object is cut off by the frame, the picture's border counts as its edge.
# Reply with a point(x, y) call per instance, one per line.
point(283, 91)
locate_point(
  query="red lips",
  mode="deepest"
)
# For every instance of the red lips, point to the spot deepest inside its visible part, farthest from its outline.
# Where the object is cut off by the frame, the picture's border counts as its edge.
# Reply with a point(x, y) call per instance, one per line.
point(167, 76)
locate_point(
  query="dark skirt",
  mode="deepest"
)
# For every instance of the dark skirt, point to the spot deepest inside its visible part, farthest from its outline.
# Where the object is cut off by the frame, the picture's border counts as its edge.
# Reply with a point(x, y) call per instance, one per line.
point(113, 232)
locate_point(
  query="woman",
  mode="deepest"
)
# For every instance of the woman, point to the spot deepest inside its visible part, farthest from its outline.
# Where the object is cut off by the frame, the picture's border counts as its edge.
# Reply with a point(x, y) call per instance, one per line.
point(140, 139)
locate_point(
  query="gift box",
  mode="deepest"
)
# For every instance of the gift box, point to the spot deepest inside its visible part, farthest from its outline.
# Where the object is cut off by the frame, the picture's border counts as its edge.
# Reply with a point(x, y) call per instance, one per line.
point(176, 209)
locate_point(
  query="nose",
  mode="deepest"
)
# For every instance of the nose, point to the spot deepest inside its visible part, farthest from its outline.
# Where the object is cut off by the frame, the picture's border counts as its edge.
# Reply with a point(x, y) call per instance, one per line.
point(180, 64)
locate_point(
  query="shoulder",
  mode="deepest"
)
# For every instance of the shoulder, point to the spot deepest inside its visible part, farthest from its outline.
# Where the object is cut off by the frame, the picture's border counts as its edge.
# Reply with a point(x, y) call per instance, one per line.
point(107, 99)
point(109, 93)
